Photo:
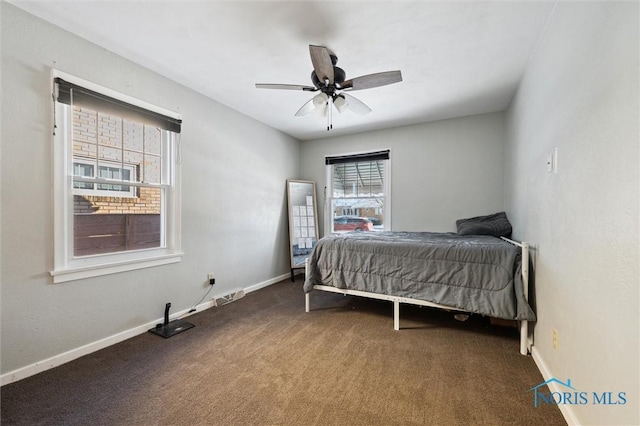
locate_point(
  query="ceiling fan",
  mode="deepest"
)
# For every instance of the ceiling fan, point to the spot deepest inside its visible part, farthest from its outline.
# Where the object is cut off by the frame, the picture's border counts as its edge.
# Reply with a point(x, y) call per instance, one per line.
point(330, 81)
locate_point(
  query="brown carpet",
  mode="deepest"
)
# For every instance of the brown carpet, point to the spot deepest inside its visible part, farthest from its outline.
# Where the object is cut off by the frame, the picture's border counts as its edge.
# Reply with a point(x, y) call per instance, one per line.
point(263, 361)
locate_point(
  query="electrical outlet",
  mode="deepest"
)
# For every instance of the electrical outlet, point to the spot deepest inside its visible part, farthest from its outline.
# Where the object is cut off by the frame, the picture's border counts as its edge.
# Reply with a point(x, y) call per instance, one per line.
point(211, 279)
point(555, 339)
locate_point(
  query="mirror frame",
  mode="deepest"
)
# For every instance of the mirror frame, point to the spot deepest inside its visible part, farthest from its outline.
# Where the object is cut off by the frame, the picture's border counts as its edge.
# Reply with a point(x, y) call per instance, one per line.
point(301, 206)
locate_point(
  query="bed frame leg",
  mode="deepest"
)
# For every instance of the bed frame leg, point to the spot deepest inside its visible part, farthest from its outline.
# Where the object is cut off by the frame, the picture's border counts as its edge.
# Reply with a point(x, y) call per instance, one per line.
point(524, 337)
point(396, 315)
point(525, 347)
point(306, 295)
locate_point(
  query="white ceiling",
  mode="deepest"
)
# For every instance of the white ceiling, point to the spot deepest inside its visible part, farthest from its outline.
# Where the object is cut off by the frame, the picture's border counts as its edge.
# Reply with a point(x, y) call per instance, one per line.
point(456, 58)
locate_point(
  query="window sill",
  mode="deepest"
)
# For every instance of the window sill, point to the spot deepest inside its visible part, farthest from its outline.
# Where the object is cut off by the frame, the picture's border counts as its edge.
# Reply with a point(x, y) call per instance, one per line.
point(78, 273)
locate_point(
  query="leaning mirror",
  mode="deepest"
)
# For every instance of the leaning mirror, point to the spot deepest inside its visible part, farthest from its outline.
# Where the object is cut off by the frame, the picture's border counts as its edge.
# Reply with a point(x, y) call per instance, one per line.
point(303, 221)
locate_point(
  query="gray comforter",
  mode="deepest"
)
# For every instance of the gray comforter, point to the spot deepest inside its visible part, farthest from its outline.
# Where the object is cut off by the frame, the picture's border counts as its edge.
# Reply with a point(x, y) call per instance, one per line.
point(479, 274)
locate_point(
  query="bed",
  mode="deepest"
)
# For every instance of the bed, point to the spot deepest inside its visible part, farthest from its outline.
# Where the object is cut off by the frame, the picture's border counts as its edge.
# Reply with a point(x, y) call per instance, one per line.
point(477, 270)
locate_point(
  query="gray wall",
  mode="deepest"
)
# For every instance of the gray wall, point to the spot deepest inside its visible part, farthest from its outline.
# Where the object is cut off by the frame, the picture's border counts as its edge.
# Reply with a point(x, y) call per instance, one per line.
point(234, 220)
point(440, 171)
point(580, 94)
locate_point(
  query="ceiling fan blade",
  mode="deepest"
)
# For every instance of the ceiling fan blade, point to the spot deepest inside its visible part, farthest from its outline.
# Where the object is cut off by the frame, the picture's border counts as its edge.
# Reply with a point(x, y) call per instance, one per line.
point(307, 108)
point(356, 105)
point(286, 87)
point(372, 80)
point(322, 64)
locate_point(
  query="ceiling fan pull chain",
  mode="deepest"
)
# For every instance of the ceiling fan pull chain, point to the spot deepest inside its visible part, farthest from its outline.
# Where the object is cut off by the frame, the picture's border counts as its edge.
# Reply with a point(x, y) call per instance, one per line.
point(331, 111)
point(328, 114)
point(328, 119)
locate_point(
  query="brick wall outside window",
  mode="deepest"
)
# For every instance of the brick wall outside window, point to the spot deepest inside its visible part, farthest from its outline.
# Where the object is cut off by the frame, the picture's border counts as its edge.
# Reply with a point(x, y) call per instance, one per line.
point(117, 140)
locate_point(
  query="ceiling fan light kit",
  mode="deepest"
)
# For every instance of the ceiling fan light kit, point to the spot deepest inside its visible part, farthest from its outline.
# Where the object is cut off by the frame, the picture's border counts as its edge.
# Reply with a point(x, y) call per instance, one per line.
point(340, 103)
point(320, 100)
point(330, 81)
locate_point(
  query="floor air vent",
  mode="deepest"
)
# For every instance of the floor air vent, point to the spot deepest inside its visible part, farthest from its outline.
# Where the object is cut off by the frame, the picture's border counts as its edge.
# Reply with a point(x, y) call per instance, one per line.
point(232, 297)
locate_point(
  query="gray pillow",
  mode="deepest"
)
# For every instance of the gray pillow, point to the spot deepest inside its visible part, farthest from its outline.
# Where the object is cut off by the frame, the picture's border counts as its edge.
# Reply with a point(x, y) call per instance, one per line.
point(495, 224)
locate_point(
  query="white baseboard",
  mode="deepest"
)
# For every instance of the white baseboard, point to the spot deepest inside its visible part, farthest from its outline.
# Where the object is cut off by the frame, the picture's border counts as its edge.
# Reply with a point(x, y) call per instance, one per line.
point(566, 409)
point(266, 283)
point(63, 358)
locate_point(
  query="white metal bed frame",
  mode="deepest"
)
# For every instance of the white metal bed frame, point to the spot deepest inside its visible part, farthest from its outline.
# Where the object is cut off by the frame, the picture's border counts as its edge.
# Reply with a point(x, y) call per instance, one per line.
point(525, 341)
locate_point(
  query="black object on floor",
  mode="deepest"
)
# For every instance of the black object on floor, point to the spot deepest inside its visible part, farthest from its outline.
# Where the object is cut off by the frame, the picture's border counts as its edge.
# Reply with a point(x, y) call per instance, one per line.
point(170, 328)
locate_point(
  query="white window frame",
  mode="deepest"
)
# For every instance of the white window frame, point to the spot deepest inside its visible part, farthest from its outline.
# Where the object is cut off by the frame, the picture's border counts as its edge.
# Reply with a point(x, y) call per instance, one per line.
point(67, 267)
point(328, 216)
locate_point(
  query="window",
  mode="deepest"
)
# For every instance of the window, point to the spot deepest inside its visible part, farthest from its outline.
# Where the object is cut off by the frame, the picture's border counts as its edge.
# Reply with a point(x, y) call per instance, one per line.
point(85, 168)
point(358, 192)
point(116, 181)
